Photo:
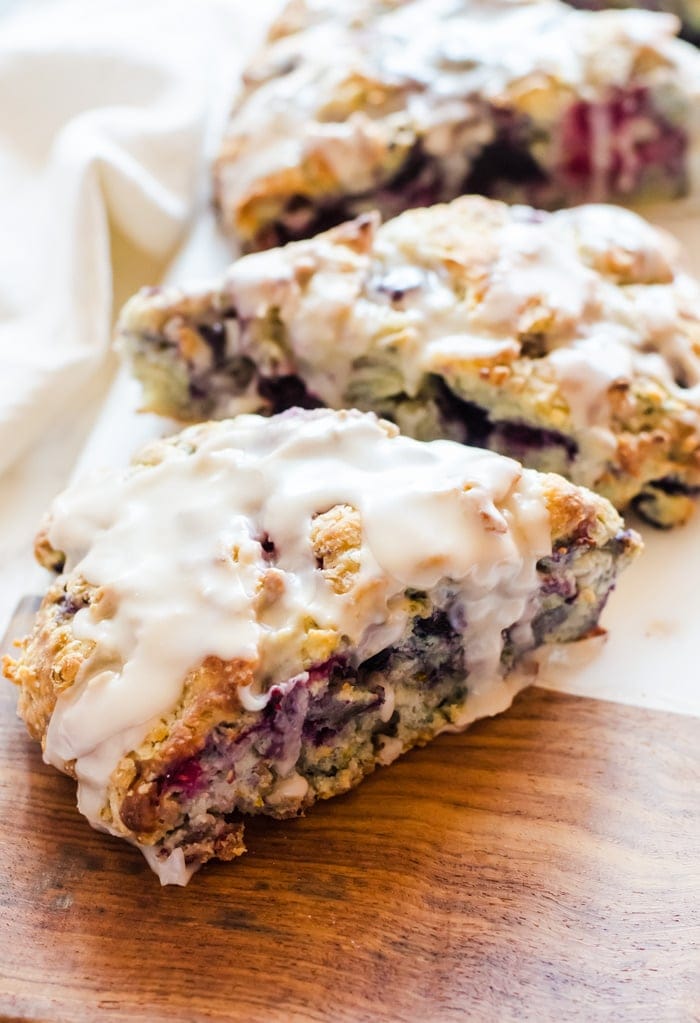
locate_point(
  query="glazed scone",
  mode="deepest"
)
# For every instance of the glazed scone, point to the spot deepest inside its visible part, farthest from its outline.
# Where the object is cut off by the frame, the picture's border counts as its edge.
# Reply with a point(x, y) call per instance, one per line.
point(569, 341)
point(393, 104)
point(260, 611)
point(688, 11)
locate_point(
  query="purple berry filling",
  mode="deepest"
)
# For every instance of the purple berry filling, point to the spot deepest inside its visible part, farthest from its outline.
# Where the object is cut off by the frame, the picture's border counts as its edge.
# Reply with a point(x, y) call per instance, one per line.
point(397, 283)
point(318, 708)
point(419, 182)
point(629, 154)
point(515, 439)
point(268, 547)
point(283, 392)
point(185, 777)
point(322, 730)
point(301, 219)
point(69, 605)
point(328, 715)
point(520, 440)
point(326, 669)
point(506, 160)
point(462, 420)
point(336, 706)
point(215, 336)
point(675, 487)
point(560, 590)
point(231, 375)
point(658, 496)
point(335, 700)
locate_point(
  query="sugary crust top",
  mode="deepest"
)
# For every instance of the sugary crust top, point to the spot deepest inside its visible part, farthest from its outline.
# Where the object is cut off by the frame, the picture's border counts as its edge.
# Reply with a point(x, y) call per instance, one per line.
point(342, 93)
point(148, 640)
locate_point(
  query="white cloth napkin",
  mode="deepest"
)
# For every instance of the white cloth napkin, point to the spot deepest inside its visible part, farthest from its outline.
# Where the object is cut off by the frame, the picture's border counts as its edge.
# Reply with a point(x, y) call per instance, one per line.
point(105, 111)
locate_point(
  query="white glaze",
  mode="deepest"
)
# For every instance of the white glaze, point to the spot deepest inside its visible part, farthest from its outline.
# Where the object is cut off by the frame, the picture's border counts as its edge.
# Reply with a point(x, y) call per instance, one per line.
point(160, 539)
point(599, 332)
point(443, 62)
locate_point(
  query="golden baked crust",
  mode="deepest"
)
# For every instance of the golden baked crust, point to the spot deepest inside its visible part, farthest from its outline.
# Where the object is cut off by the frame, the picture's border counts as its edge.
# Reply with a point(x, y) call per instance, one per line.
point(50, 660)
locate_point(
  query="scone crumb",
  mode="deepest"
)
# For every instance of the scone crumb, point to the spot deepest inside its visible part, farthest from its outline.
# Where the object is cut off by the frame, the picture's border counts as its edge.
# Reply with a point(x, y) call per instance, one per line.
point(336, 537)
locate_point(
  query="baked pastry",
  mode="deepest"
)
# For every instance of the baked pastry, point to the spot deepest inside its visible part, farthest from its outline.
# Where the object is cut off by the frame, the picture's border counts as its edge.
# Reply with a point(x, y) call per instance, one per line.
point(260, 611)
point(570, 340)
point(688, 11)
point(391, 104)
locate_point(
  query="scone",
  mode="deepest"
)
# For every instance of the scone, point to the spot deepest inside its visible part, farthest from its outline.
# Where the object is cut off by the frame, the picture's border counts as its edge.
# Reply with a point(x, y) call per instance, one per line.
point(688, 11)
point(392, 104)
point(569, 341)
point(260, 611)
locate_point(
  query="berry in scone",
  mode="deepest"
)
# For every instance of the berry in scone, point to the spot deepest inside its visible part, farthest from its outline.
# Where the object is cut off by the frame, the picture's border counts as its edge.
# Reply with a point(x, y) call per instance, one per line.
point(392, 104)
point(568, 340)
point(260, 611)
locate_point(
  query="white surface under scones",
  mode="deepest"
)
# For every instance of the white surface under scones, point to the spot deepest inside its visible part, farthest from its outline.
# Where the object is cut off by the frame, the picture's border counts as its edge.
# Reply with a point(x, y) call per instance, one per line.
point(314, 583)
point(570, 340)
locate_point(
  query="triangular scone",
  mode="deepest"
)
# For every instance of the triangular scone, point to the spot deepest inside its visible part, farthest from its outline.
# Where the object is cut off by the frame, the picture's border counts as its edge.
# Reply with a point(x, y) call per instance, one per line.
point(570, 341)
point(260, 611)
point(393, 104)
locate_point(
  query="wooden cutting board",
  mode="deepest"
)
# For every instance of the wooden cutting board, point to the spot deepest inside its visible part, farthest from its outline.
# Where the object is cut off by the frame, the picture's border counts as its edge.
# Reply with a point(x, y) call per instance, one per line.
point(543, 866)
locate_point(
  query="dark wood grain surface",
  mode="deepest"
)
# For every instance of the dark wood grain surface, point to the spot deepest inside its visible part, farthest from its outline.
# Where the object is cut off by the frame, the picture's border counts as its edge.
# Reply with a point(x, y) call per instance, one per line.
point(543, 866)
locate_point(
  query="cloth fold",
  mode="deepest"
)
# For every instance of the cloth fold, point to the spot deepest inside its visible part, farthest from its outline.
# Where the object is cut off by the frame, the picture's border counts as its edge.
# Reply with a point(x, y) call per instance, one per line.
point(106, 112)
